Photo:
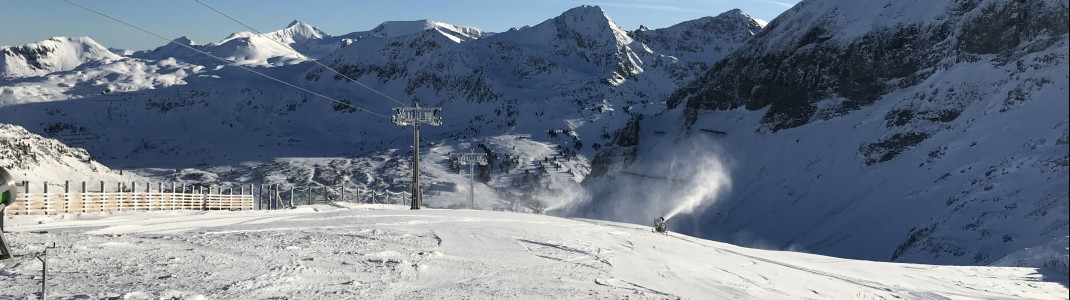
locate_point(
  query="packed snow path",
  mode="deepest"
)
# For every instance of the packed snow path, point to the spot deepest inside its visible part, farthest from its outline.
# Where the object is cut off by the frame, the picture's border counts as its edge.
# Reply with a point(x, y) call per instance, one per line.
point(387, 252)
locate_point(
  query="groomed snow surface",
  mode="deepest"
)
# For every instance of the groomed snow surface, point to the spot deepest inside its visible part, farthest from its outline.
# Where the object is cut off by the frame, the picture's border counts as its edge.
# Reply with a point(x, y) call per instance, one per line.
point(389, 252)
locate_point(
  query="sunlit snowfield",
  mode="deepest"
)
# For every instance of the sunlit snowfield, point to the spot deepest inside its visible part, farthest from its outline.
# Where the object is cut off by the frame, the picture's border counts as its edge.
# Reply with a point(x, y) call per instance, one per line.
point(383, 251)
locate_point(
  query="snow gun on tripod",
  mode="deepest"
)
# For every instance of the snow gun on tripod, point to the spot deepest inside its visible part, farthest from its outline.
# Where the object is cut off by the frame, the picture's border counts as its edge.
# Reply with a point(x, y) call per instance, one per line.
point(659, 225)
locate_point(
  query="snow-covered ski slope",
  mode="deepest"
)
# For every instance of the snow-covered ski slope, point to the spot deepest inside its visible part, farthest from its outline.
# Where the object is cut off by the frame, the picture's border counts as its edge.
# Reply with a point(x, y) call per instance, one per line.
point(388, 252)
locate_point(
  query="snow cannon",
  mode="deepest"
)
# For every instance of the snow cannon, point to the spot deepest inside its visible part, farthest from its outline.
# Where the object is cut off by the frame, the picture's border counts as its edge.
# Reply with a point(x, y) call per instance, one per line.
point(659, 225)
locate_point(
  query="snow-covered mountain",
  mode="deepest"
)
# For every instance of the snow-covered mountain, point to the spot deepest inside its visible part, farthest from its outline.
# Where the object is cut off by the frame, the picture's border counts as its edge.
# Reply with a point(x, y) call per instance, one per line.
point(296, 33)
point(540, 98)
point(247, 48)
point(53, 55)
point(278, 47)
point(699, 42)
point(915, 131)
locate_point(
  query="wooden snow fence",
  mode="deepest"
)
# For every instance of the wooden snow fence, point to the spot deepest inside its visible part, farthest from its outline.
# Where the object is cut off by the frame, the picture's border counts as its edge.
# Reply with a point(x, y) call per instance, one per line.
point(58, 203)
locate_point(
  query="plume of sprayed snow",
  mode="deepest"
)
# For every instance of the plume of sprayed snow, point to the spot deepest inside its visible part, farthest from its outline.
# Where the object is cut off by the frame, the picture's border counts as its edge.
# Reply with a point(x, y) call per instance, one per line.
point(567, 193)
point(708, 177)
point(685, 180)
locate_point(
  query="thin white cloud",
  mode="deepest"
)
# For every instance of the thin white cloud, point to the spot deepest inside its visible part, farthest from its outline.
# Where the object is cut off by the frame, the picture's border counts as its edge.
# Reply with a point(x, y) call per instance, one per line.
point(777, 3)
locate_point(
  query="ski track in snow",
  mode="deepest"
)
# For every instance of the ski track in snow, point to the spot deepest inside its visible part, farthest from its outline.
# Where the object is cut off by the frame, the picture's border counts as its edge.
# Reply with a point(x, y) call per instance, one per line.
point(388, 252)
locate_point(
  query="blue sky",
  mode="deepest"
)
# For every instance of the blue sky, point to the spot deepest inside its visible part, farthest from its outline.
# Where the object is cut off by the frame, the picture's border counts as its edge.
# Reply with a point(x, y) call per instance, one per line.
point(26, 21)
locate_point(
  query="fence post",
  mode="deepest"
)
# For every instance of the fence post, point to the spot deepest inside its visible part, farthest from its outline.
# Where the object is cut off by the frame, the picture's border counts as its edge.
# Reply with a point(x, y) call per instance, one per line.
point(66, 196)
point(131, 200)
point(342, 198)
point(174, 196)
point(260, 198)
point(291, 196)
point(250, 193)
point(310, 195)
point(83, 186)
point(171, 196)
point(48, 199)
point(325, 198)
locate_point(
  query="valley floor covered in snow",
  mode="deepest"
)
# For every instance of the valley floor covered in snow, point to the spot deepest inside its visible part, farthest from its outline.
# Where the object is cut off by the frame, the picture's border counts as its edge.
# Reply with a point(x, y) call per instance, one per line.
point(389, 252)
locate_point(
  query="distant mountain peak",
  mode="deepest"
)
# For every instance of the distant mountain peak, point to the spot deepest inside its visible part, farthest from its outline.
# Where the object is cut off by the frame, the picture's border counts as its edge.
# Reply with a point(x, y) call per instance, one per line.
point(592, 10)
point(296, 31)
point(585, 15)
point(184, 41)
point(403, 28)
point(704, 40)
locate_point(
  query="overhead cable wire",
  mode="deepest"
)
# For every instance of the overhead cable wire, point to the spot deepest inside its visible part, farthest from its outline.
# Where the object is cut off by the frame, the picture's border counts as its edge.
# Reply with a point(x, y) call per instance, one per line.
point(299, 53)
point(225, 60)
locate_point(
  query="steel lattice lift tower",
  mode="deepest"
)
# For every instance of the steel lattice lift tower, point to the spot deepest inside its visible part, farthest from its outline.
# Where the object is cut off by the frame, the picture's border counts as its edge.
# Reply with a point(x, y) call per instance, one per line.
point(472, 159)
point(414, 116)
